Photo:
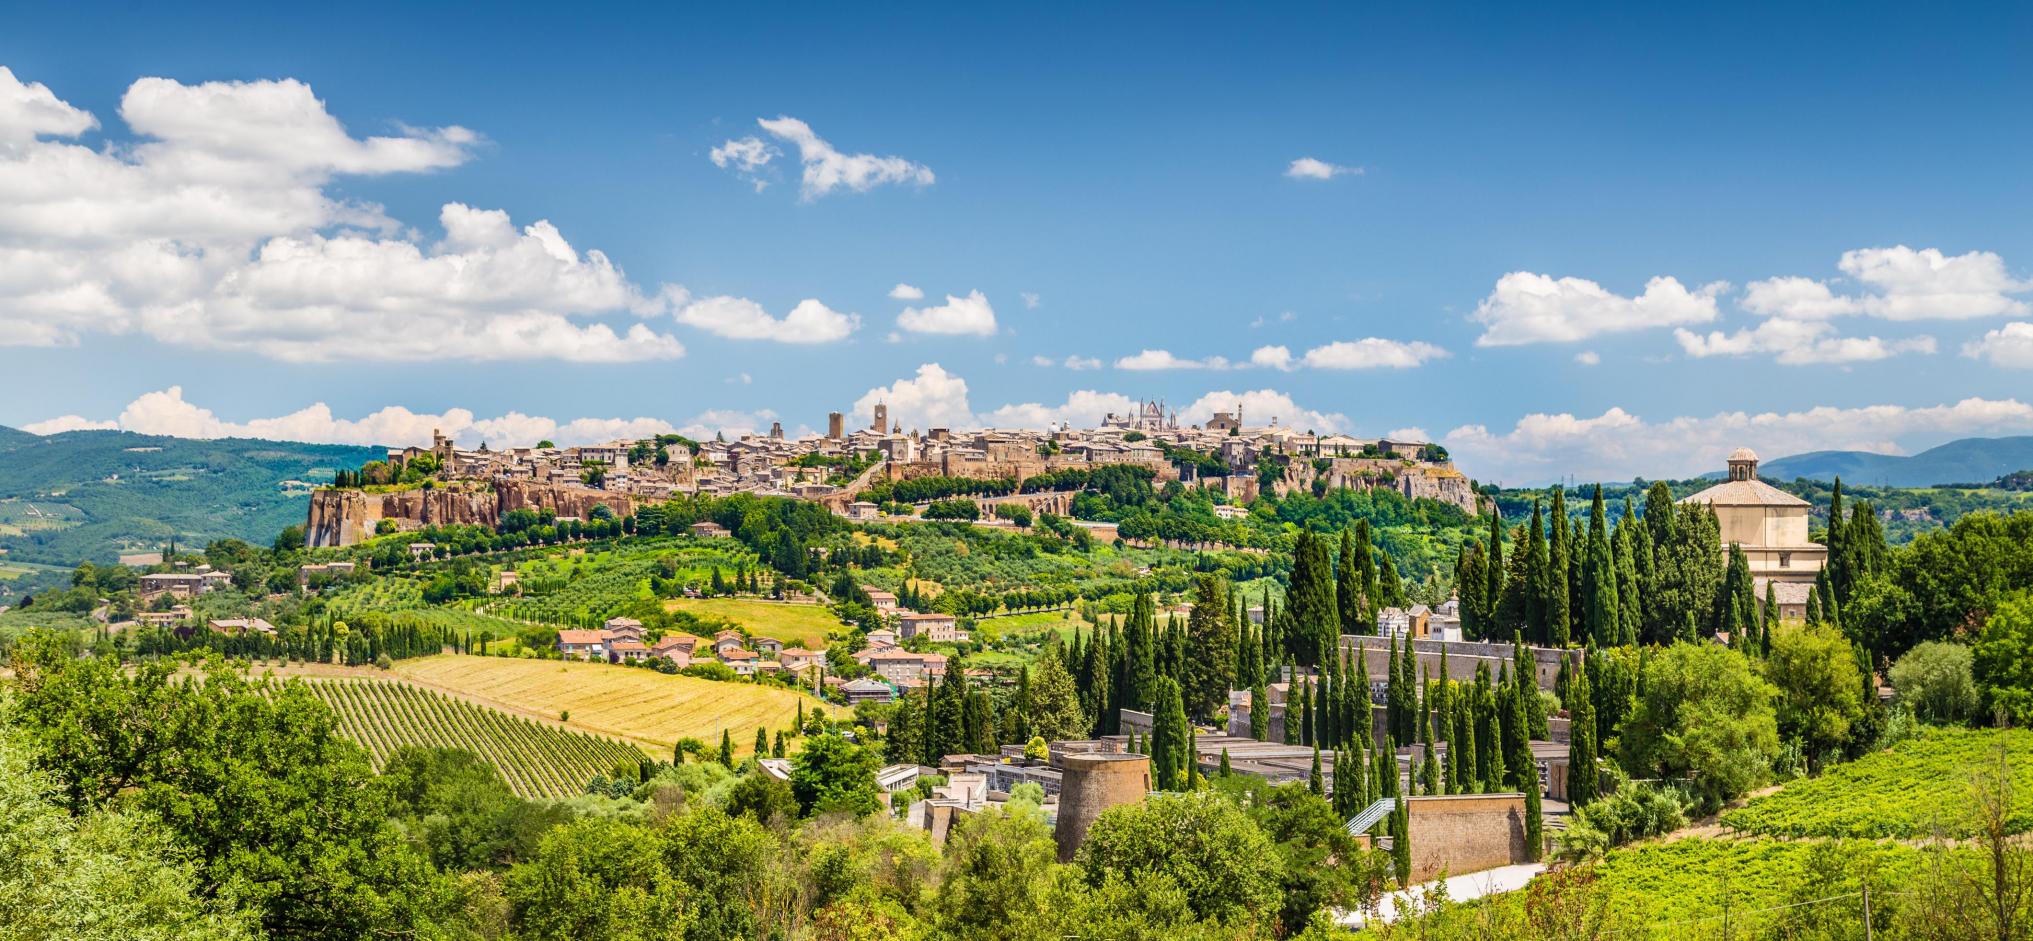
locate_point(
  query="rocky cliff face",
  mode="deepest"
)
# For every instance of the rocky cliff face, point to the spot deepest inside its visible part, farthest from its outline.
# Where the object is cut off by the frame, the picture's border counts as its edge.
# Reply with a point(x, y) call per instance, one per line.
point(347, 517)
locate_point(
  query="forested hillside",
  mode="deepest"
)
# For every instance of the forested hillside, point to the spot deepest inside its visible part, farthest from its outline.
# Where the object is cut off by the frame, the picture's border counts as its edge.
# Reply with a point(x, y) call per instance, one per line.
point(90, 495)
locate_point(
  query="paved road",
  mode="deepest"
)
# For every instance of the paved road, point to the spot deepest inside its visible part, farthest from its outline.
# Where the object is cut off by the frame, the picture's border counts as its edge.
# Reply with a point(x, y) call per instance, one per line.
point(1458, 888)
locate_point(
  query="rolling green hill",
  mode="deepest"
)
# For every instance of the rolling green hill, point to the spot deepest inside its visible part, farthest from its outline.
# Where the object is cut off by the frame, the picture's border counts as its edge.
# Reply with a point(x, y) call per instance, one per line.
point(90, 495)
point(1968, 460)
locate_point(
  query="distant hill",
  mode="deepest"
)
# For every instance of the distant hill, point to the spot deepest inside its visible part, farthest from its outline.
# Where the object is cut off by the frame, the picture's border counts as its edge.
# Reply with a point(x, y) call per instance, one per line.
point(90, 495)
point(1968, 460)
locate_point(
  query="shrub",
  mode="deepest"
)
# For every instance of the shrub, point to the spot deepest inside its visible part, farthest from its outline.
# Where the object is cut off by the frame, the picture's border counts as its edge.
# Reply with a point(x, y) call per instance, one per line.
point(1933, 680)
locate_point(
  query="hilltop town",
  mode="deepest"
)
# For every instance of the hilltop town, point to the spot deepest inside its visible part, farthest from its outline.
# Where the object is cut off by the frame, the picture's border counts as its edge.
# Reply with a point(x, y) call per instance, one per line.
point(445, 483)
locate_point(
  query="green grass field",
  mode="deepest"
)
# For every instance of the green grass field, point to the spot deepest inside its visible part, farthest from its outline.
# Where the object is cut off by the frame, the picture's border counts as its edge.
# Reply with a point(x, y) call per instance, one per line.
point(802, 625)
point(641, 706)
point(537, 760)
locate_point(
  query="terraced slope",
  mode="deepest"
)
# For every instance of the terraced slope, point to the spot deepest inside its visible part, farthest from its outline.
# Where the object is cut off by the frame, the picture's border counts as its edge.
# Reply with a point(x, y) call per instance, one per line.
point(536, 760)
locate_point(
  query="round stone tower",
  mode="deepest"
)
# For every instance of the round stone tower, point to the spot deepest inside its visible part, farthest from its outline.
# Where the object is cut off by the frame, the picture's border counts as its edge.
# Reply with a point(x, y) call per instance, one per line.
point(1090, 784)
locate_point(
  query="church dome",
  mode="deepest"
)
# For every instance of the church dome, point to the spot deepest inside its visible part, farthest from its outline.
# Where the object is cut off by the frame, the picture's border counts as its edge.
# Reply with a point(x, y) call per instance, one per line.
point(1743, 454)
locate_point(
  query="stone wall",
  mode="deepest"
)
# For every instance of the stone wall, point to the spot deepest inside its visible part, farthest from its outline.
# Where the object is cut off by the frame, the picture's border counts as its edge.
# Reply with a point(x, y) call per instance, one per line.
point(1460, 834)
point(1090, 784)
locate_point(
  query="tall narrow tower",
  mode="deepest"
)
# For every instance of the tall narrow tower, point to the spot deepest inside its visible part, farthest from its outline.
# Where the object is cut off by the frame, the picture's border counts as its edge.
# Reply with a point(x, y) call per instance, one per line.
point(881, 425)
point(836, 425)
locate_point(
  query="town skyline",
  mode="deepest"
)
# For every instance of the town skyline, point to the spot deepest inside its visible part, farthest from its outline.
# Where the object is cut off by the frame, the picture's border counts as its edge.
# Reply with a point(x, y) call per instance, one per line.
point(1391, 233)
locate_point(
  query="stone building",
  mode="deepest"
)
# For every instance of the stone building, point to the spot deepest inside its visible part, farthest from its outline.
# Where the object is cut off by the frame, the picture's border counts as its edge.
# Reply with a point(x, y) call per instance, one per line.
point(1768, 523)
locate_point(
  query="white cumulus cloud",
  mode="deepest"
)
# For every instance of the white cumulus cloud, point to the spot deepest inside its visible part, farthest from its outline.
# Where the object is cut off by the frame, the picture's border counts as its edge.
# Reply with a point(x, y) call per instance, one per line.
point(959, 316)
point(1082, 409)
point(1309, 168)
point(1261, 407)
point(2010, 346)
point(739, 318)
point(1899, 283)
point(826, 169)
point(933, 398)
point(1535, 308)
point(746, 157)
point(1619, 445)
point(1156, 360)
point(1371, 353)
point(905, 292)
point(1798, 343)
point(218, 227)
point(167, 412)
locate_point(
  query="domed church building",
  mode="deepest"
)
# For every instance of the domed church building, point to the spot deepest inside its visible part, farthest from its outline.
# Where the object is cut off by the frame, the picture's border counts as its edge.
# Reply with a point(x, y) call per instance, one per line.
point(1770, 524)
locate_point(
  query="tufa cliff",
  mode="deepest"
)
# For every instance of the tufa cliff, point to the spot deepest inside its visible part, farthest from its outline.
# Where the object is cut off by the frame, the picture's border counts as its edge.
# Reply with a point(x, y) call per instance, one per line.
point(346, 517)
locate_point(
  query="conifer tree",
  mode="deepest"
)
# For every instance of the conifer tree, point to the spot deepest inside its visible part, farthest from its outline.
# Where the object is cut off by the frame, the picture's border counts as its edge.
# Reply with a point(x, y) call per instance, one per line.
point(1535, 825)
point(1489, 737)
point(1225, 771)
point(1767, 621)
point(1307, 733)
point(1524, 769)
point(1559, 585)
point(1259, 712)
point(1323, 709)
point(1348, 588)
point(1581, 744)
point(1169, 737)
point(1631, 552)
point(1461, 749)
point(726, 748)
point(777, 750)
point(1365, 711)
point(1469, 588)
point(1430, 772)
point(1209, 673)
point(1601, 619)
point(1494, 576)
point(1408, 667)
point(1314, 783)
point(1193, 776)
point(761, 742)
point(1401, 844)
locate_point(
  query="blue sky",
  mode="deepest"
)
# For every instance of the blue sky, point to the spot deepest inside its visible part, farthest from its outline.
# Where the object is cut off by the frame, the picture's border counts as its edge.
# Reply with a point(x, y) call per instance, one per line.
point(1129, 168)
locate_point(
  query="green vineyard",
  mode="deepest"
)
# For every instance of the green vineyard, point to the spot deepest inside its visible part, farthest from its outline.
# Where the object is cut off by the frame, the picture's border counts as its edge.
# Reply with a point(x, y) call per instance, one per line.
point(536, 760)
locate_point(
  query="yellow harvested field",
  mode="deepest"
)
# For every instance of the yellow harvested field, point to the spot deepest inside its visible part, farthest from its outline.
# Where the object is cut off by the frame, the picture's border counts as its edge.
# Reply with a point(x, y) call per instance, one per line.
point(797, 625)
point(642, 706)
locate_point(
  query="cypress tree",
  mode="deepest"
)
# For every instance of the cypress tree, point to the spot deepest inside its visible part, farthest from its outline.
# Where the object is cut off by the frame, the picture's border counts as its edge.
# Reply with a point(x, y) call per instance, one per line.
point(726, 749)
point(1259, 712)
point(1168, 742)
point(1308, 734)
point(1559, 586)
point(1494, 575)
point(1631, 553)
point(1461, 750)
point(1581, 744)
point(1469, 587)
point(1408, 710)
point(777, 750)
point(1524, 770)
point(1295, 712)
point(1430, 771)
point(1365, 723)
point(1770, 620)
point(1314, 783)
point(1193, 777)
point(1401, 844)
point(1602, 620)
point(1490, 738)
point(1535, 826)
point(761, 742)
point(1324, 721)
point(1348, 587)
point(1225, 772)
